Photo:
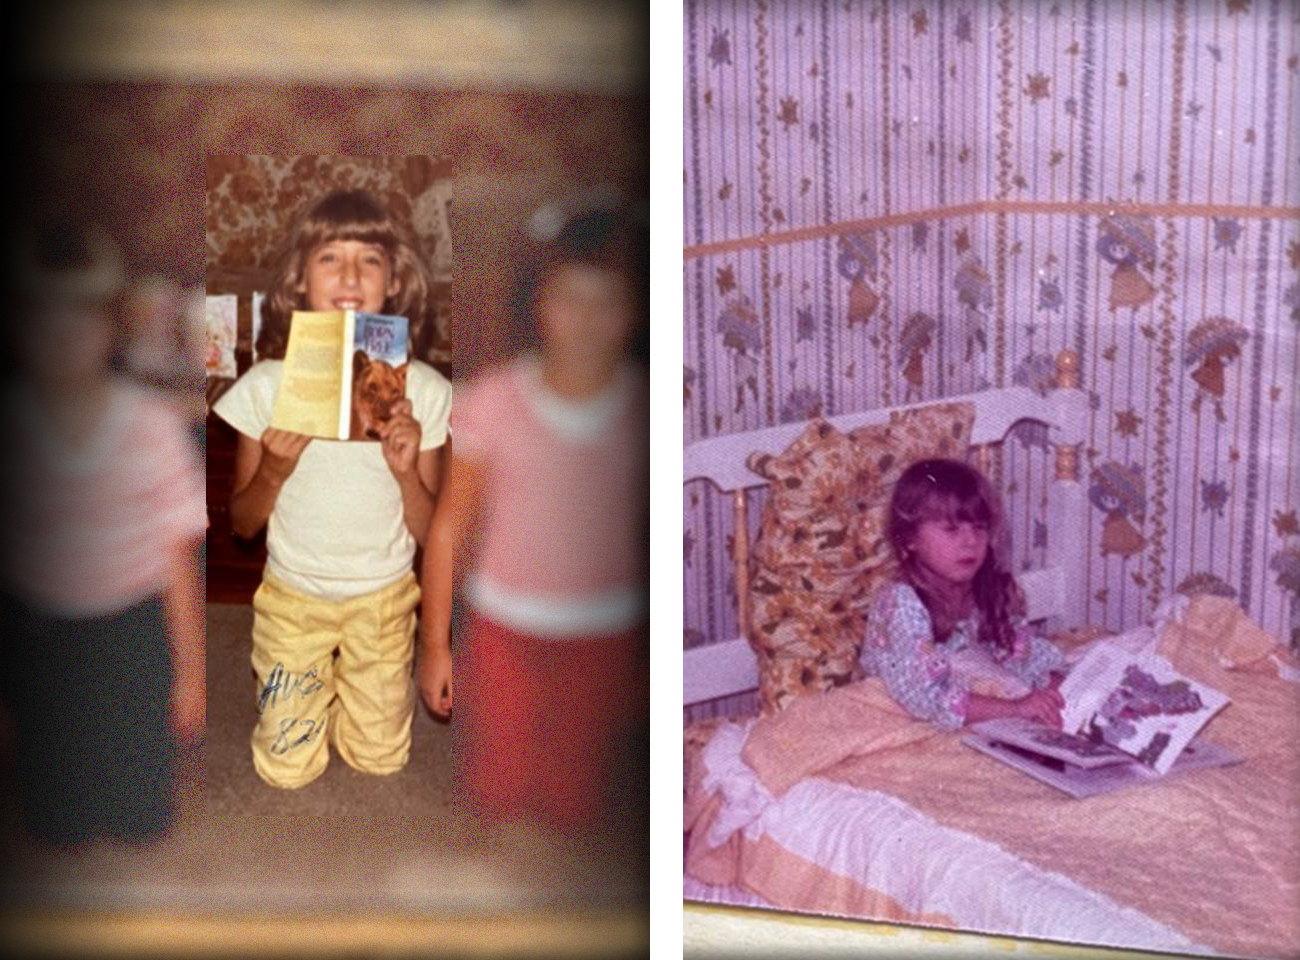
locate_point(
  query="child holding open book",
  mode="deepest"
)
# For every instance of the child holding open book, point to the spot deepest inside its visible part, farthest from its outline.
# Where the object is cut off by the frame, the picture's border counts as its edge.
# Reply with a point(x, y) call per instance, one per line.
point(953, 592)
point(334, 617)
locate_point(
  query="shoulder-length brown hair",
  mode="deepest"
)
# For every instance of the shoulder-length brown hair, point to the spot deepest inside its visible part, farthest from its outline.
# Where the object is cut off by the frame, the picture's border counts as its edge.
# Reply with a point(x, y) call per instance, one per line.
point(941, 489)
point(343, 215)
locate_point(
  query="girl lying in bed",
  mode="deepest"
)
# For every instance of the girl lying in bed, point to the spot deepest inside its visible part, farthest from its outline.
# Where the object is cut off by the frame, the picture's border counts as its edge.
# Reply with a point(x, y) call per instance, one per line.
point(953, 592)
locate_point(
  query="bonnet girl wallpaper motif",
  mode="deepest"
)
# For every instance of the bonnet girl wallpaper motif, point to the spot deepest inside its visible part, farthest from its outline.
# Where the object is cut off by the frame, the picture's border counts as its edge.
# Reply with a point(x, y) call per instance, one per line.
point(742, 337)
point(1211, 346)
point(915, 341)
point(857, 263)
point(974, 289)
point(1118, 491)
point(1128, 242)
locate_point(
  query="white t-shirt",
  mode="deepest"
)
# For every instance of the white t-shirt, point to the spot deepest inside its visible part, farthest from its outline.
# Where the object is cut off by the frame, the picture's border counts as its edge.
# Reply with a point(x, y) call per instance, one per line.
point(338, 530)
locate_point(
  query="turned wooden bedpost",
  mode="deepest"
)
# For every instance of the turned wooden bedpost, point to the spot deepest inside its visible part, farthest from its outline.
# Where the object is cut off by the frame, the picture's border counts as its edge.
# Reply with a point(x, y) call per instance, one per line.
point(1067, 378)
point(1067, 523)
point(740, 564)
point(989, 463)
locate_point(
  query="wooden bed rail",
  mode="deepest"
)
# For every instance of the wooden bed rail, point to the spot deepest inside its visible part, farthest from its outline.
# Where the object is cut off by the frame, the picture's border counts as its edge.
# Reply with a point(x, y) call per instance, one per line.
point(740, 560)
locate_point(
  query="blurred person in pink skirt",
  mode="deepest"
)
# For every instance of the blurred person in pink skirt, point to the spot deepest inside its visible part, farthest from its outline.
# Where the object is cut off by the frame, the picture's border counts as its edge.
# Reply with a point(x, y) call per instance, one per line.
point(546, 515)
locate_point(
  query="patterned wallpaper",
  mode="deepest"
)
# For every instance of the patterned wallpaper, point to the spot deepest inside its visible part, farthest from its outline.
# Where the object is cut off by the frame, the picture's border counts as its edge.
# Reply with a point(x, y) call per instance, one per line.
point(896, 201)
point(251, 198)
point(133, 155)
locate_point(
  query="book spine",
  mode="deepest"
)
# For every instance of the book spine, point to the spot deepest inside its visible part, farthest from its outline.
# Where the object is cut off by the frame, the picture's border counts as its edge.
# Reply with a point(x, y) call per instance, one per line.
point(345, 394)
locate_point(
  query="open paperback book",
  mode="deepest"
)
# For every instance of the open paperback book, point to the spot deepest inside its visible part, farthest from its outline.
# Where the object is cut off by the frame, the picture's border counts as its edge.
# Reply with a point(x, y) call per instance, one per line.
point(343, 372)
point(1127, 718)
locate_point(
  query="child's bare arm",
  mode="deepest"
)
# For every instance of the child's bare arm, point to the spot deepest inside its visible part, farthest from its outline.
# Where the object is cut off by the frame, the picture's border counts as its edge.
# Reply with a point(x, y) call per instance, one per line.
point(415, 471)
point(445, 552)
point(420, 493)
point(184, 605)
point(261, 468)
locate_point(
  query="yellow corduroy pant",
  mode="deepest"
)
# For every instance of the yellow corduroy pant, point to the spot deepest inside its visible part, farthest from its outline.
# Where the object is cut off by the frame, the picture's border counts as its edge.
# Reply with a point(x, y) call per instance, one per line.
point(332, 672)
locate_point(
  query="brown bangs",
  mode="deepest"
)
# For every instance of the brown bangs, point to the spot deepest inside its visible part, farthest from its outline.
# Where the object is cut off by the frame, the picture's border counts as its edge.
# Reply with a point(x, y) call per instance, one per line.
point(348, 215)
point(949, 506)
point(318, 233)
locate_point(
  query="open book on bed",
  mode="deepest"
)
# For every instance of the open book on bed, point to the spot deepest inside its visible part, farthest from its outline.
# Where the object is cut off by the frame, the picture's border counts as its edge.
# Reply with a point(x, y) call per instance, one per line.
point(1128, 718)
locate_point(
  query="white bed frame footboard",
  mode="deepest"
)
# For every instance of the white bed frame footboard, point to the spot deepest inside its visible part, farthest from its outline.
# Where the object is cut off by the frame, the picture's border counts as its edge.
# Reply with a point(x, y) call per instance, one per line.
point(726, 667)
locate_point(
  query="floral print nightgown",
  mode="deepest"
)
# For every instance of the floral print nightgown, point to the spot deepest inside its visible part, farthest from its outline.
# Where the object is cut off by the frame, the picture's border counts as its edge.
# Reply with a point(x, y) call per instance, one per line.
point(900, 649)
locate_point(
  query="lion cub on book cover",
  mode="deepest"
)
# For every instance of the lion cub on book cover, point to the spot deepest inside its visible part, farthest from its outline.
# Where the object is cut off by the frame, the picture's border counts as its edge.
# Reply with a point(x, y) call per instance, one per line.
point(376, 388)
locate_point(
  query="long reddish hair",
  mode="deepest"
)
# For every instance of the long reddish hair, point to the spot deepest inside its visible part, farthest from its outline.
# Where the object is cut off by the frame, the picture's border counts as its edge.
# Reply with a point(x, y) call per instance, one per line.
point(949, 490)
point(343, 215)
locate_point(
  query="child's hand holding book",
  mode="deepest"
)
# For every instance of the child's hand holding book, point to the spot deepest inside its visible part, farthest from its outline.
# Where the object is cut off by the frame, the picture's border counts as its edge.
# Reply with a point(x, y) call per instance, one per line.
point(281, 450)
point(400, 439)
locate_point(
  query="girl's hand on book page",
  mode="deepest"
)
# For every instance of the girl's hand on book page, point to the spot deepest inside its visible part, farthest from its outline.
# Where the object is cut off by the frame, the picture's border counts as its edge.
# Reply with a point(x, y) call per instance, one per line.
point(280, 452)
point(433, 675)
point(400, 438)
point(1041, 706)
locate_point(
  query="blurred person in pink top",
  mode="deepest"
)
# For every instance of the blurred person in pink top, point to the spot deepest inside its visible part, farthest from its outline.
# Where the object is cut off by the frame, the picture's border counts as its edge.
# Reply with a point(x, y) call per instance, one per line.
point(102, 651)
point(545, 513)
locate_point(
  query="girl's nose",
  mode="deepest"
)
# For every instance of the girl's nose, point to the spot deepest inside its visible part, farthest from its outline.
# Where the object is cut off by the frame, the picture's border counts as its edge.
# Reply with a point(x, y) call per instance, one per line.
point(351, 271)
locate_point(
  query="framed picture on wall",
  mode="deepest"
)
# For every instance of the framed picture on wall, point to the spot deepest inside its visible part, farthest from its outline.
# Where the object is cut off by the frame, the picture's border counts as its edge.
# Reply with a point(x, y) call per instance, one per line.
point(223, 333)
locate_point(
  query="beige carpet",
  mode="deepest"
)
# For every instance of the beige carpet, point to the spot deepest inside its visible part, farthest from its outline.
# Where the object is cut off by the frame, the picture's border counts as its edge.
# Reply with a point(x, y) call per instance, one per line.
point(346, 842)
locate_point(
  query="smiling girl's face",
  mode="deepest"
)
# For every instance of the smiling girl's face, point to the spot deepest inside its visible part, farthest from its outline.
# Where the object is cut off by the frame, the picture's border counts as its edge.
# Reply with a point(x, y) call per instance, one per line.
point(348, 274)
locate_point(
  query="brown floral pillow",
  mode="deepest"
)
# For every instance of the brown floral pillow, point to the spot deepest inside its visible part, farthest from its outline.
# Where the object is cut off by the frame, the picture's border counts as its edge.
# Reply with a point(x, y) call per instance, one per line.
point(807, 484)
point(821, 552)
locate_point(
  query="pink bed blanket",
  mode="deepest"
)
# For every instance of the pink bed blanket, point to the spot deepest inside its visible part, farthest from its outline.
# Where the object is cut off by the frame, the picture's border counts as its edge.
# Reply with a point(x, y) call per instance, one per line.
point(844, 804)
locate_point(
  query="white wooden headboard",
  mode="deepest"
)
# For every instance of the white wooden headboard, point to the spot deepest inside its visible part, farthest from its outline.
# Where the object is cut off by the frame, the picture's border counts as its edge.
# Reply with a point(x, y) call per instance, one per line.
point(724, 667)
